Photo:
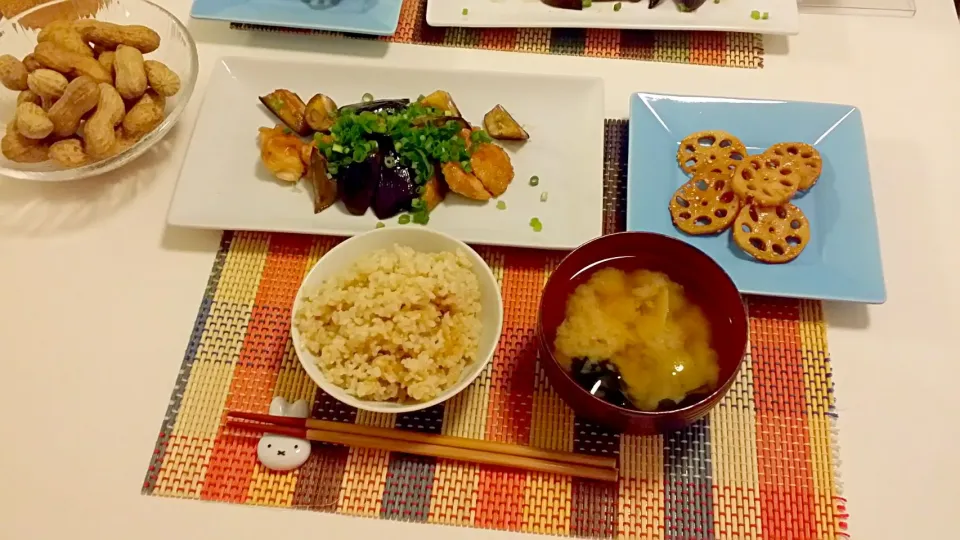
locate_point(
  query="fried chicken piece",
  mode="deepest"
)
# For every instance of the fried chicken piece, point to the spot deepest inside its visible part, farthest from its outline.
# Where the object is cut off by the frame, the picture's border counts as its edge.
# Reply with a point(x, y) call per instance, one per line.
point(283, 153)
point(491, 165)
point(434, 192)
point(464, 183)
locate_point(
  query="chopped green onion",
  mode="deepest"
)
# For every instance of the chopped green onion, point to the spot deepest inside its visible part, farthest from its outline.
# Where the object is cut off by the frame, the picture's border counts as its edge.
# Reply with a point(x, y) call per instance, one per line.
point(617, 6)
point(337, 148)
point(536, 225)
point(380, 225)
point(403, 219)
point(716, 1)
point(587, 3)
point(367, 98)
point(534, 180)
point(287, 131)
point(765, 16)
point(755, 15)
point(465, 11)
point(543, 197)
point(390, 162)
point(421, 218)
point(479, 136)
point(501, 205)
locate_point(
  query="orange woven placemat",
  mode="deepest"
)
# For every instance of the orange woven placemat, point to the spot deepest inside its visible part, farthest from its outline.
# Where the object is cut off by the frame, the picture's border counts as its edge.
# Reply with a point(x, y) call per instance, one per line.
point(761, 465)
point(729, 49)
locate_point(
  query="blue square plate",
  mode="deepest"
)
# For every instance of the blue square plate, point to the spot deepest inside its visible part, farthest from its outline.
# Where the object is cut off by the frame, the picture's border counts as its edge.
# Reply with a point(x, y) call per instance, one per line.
point(842, 260)
point(377, 17)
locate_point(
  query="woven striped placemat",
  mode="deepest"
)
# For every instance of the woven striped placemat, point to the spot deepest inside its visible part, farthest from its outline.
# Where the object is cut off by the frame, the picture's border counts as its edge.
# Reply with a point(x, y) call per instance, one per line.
point(761, 465)
point(707, 48)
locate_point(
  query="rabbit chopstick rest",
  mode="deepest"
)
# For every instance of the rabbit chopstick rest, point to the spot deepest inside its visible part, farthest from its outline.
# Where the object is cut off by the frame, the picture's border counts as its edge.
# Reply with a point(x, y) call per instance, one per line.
point(280, 452)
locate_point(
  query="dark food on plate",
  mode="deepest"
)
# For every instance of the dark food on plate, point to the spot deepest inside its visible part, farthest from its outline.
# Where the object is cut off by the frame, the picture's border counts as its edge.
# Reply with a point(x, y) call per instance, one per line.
point(772, 234)
point(324, 187)
point(501, 125)
point(706, 204)
point(390, 155)
point(634, 339)
point(390, 106)
point(682, 5)
point(752, 193)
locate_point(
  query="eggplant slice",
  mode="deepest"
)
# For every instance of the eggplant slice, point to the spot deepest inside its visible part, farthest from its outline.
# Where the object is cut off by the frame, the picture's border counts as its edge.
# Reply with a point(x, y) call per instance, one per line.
point(396, 187)
point(578, 4)
point(358, 183)
point(501, 125)
point(289, 108)
point(690, 5)
point(321, 113)
point(377, 105)
point(565, 4)
point(324, 187)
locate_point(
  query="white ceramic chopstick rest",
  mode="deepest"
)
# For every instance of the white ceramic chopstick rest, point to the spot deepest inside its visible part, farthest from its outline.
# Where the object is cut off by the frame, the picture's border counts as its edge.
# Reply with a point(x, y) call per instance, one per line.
point(279, 452)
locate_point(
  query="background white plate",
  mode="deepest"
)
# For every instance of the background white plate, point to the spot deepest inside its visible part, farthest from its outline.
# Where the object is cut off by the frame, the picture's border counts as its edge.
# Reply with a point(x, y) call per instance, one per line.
point(223, 185)
point(728, 15)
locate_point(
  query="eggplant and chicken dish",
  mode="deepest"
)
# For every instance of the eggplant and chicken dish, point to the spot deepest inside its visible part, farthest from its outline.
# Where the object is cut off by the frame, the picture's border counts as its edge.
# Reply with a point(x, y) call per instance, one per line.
point(578, 5)
point(390, 155)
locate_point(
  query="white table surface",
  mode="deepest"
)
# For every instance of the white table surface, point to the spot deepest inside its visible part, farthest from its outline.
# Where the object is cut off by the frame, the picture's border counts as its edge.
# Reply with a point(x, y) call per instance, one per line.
point(97, 298)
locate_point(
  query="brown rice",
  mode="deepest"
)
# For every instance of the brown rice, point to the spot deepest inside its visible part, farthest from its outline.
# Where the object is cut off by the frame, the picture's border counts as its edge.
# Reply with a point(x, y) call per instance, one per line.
point(398, 325)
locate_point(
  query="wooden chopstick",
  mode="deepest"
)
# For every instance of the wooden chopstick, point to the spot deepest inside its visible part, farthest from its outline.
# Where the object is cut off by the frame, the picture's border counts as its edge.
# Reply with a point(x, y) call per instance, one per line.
point(434, 450)
point(428, 438)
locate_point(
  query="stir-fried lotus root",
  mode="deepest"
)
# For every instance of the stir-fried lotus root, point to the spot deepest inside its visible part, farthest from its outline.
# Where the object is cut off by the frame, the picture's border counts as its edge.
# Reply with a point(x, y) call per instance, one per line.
point(707, 148)
point(766, 181)
point(772, 235)
point(804, 158)
point(705, 205)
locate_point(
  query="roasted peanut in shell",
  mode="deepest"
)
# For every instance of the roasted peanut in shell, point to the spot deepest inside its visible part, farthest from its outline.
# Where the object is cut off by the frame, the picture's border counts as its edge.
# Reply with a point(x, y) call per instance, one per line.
point(63, 35)
point(47, 83)
point(68, 152)
point(131, 76)
point(161, 78)
point(33, 122)
point(70, 63)
point(16, 147)
point(13, 74)
point(98, 132)
point(109, 36)
point(145, 115)
point(80, 96)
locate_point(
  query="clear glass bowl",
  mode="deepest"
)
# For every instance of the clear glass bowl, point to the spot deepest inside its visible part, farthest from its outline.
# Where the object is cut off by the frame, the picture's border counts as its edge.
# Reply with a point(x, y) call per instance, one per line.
point(18, 36)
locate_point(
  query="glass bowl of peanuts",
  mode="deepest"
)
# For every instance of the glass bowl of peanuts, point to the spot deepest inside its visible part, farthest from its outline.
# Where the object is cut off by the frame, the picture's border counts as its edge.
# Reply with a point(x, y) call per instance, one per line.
point(86, 86)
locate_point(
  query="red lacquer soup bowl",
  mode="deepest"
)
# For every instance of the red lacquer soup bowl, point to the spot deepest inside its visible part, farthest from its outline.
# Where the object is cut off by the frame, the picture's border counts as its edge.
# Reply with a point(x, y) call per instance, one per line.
point(704, 283)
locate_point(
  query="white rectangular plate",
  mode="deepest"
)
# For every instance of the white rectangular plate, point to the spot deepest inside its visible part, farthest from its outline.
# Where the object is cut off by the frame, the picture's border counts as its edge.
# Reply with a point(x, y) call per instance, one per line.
point(223, 185)
point(728, 15)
